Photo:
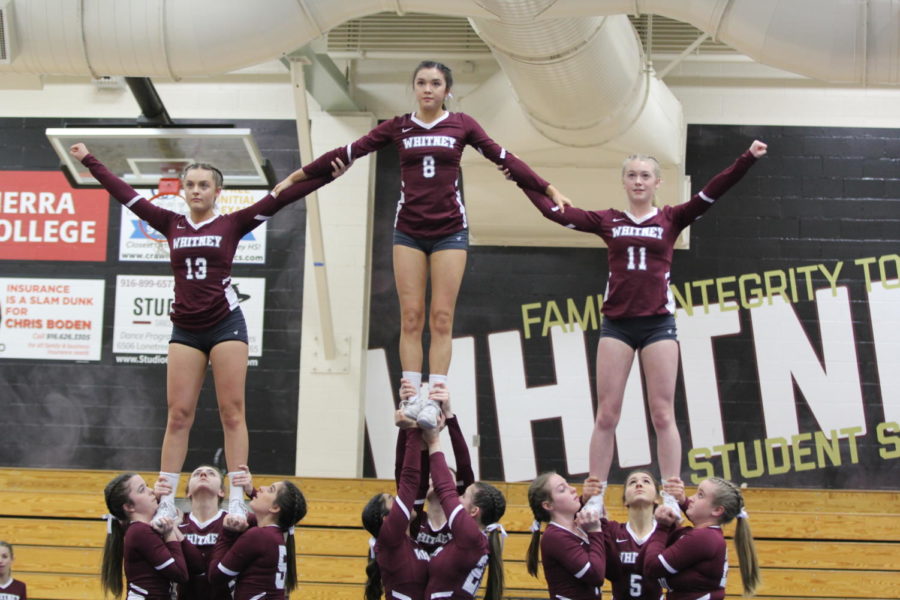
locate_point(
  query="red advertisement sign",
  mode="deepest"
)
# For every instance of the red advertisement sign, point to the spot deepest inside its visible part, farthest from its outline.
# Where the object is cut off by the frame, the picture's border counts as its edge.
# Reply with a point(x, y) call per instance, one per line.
point(43, 218)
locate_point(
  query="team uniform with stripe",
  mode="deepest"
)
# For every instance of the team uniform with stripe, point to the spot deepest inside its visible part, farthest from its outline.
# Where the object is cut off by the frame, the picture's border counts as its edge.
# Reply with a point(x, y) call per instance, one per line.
point(623, 546)
point(203, 536)
point(690, 563)
point(456, 569)
point(428, 538)
point(152, 566)
point(404, 566)
point(13, 590)
point(640, 249)
point(257, 558)
point(574, 563)
point(430, 203)
point(201, 254)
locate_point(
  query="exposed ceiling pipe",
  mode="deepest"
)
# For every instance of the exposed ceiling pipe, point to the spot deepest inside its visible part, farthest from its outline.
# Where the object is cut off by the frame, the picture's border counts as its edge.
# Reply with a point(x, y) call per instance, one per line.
point(153, 111)
point(835, 41)
point(582, 81)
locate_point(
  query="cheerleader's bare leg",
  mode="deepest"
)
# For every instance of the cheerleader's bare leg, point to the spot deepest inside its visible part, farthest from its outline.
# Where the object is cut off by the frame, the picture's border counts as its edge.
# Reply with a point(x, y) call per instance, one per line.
point(447, 269)
point(411, 277)
point(614, 360)
point(184, 378)
point(660, 365)
point(229, 366)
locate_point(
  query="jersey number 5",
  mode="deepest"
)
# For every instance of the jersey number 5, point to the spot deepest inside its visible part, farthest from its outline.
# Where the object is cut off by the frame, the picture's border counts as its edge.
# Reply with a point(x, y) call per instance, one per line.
point(280, 576)
point(634, 587)
point(197, 270)
point(428, 166)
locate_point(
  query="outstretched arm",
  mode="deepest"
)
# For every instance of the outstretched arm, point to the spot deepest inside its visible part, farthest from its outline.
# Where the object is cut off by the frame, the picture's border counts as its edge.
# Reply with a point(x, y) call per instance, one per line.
point(573, 218)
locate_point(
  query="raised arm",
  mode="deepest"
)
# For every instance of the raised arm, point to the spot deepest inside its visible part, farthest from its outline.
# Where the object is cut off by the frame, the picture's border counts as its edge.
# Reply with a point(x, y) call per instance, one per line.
point(119, 190)
point(465, 529)
point(690, 211)
point(464, 474)
point(125, 194)
point(395, 525)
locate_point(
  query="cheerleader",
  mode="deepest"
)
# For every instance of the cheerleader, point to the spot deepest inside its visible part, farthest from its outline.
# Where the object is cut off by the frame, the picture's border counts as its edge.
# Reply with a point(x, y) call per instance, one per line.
point(153, 557)
point(572, 549)
point(691, 562)
point(638, 307)
point(208, 327)
point(262, 558)
point(431, 235)
point(397, 566)
point(455, 572)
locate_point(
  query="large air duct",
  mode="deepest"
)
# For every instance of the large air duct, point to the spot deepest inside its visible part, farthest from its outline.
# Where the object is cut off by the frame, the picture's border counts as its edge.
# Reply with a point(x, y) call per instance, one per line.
point(836, 41)
point(583, 81)
point(575, 65)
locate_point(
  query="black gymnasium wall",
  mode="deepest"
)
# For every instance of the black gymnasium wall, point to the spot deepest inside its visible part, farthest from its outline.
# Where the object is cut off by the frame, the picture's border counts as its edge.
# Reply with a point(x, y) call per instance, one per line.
point(108, 415)
point(822, 196)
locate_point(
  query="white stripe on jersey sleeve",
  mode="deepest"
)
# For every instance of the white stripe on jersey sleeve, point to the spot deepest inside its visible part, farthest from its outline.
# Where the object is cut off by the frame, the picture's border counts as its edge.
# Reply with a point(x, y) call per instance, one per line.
point(667, 566)
point(228, 571)
point(399, 502)
point(453, 515)
point(132, 201)
point(502, 153)
point(583, 570)
point(349, 156)
point(164, 565)
point(705, 197)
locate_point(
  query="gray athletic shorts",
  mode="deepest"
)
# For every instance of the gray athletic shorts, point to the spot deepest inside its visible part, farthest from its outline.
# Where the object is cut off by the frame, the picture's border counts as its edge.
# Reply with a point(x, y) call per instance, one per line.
point(454, 241)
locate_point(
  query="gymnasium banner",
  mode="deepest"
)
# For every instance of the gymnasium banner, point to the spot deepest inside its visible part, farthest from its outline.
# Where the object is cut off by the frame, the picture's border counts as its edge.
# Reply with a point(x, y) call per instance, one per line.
point(43, 218)
point(139, 242)
point(788, 372)
point(51, 319)
point(141, 326)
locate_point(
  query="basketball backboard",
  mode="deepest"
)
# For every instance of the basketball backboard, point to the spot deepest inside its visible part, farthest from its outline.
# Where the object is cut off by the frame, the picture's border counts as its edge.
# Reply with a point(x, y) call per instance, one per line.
point(143, 155)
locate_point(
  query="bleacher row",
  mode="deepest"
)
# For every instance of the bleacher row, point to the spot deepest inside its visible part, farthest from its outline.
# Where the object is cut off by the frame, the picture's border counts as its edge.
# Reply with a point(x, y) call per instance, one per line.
point(812, 544)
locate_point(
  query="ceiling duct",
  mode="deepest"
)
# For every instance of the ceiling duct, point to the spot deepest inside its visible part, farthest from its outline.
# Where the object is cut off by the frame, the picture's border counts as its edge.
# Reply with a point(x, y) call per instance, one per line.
point(6, 21)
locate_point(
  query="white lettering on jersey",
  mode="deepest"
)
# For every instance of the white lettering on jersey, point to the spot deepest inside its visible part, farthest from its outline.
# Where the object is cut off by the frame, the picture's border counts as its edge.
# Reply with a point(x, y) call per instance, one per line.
point(629, 230)
point(421, 554)
point(197, 539)
point(420, 141)
point(628, 558)
point(209, 241)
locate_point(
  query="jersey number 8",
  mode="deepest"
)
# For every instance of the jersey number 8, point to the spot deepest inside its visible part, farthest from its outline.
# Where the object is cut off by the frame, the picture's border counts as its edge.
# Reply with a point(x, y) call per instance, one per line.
point(428, 166)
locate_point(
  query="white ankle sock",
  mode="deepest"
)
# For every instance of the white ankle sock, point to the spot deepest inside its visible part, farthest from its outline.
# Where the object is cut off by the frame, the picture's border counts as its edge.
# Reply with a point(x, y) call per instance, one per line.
point(234, 492)
point(172, 479)
point(433, 379)
point(414, 377)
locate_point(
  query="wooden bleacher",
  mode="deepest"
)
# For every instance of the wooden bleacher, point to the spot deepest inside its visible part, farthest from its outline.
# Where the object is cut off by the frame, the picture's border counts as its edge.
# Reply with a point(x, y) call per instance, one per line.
point(812, 544)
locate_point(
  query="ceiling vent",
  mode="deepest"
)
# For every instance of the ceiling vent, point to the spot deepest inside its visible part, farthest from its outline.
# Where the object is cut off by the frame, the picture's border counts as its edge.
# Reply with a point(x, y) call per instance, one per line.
point(389, 34)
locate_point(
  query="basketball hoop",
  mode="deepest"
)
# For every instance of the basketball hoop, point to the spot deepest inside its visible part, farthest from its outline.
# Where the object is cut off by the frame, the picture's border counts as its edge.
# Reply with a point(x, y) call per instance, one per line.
point(169, 186)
